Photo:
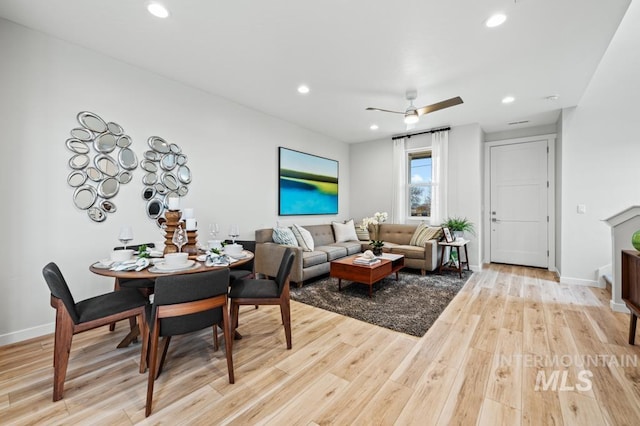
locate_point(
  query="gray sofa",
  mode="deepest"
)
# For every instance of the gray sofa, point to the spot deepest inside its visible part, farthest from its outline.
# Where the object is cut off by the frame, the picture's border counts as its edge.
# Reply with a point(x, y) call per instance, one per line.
point(308, 265)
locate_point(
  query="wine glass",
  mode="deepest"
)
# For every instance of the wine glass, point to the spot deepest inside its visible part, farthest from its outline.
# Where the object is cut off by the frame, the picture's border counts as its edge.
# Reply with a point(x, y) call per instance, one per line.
point(213, 230)
point(180, 238)
point(234, 232)
point(126, 235)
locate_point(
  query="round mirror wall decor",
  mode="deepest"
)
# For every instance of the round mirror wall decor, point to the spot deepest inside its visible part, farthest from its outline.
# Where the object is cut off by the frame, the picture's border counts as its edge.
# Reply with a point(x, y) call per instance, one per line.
point(101, 162)
point(167, 174)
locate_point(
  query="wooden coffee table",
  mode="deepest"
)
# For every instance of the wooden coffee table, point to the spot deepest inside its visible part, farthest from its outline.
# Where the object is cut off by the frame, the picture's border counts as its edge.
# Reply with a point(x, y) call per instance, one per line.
point(345, 269)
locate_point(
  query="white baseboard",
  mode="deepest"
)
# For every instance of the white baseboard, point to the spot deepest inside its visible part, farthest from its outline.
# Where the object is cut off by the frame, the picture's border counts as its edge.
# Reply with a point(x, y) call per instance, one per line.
point(618, 307)
point(26, 334)
point(580, 281)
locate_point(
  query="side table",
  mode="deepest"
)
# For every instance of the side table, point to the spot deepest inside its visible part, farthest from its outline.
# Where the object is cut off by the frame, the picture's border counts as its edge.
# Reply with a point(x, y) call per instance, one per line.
point(454, 245)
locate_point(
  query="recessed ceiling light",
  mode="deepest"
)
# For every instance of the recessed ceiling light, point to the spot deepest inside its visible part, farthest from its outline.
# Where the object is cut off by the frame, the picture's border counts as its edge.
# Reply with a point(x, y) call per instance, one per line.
point(303, 89)
point(508, 99)
point(374, 127)
point(158, 10)
point(496, 20)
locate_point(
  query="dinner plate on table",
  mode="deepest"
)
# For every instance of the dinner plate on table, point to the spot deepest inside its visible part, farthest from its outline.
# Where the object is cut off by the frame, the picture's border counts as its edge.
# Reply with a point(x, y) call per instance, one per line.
point(101, 265)
point(163, 267)
point(238, 256)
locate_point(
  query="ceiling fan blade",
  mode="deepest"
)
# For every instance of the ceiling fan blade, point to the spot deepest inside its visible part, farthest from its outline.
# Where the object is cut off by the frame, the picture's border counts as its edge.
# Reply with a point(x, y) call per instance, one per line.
point(384, 110)
point(440, 105)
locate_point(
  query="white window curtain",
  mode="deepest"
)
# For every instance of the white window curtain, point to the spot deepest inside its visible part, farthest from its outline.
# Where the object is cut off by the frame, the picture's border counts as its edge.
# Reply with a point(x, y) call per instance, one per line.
point(439, 150)
point(399, 179)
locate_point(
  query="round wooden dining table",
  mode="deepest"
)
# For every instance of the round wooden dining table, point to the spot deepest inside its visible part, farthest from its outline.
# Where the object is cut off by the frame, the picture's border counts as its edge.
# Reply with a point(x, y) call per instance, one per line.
point(151, 274)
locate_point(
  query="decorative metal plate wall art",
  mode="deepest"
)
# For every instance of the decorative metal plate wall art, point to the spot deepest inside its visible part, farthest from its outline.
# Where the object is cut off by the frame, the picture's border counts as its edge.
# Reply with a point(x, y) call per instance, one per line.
point(102, 161)
point(166, 175)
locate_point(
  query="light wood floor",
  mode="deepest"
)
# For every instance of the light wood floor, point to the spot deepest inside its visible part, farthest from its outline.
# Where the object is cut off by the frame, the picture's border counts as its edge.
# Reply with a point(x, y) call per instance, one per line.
point(478, 364)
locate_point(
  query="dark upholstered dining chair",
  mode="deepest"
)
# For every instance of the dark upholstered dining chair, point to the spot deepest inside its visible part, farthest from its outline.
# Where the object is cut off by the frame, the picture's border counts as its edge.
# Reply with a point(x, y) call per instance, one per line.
point(245, 270)
point(73, 318)
point(145, 285)
point(252, 291)
point(184, 304)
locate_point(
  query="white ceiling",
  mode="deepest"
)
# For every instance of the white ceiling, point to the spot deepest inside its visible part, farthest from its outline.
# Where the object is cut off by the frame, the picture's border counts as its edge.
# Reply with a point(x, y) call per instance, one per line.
point(353, 54)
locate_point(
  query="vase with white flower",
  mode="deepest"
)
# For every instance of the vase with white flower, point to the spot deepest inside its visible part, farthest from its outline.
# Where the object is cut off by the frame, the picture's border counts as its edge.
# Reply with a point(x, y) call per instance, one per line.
point(371, 224)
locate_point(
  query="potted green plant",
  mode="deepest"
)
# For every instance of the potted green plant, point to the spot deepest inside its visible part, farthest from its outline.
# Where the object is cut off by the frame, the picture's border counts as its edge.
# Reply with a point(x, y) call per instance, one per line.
point(376, 247)
point(459, 225)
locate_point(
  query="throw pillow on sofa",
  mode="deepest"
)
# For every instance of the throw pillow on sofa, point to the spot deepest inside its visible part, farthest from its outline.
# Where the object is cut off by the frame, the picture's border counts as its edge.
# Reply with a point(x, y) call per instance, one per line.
point(424, 233)
point(363, 234)
point(284, 236)
point(304, 238)
point(344, 231)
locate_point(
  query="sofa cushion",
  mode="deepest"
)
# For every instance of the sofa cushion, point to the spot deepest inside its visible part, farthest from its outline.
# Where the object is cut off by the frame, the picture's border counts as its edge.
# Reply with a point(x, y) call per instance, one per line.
point(363, 234)
point(311, 258)
point(424, 233)
point(333, 251)
point(284, 236)
point(322, 234)
point(344, 231)
point(410, 252)
point(304, 238)
point(398, 233)
point(352, 247)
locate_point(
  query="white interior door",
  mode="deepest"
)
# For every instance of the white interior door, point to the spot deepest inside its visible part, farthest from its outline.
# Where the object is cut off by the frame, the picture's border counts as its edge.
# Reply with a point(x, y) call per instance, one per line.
point(519, 215)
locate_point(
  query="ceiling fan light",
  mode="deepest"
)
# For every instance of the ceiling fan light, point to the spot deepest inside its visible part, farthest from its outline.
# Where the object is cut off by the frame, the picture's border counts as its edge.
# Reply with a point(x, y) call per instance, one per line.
point(496, 20)
point(157, 10)
point(411, 118)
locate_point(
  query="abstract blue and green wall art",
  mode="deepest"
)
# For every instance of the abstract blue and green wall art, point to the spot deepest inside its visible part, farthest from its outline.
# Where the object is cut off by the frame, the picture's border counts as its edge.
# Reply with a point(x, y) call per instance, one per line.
point(308, 184)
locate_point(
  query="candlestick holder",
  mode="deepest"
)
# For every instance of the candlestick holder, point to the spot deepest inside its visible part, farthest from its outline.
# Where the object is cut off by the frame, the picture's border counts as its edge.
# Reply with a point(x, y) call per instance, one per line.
point(172, 223)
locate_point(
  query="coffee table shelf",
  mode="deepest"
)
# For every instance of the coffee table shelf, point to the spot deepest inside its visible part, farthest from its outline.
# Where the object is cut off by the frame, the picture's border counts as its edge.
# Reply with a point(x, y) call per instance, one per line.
point(345, 269)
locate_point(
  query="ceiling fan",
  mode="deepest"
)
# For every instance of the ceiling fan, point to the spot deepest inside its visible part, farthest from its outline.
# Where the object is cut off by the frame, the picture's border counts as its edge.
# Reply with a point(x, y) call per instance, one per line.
point(412, 114)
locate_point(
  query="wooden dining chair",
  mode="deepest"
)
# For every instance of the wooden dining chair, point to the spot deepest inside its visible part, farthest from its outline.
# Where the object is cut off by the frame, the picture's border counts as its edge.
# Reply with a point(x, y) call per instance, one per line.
point(73, 318)
point(184, 304)
point(245, 270)
point(252, 291)
point(144, 285)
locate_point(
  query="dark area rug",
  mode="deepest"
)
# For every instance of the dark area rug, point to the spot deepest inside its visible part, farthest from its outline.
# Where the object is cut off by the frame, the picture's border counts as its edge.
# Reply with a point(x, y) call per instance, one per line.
point(410, 305)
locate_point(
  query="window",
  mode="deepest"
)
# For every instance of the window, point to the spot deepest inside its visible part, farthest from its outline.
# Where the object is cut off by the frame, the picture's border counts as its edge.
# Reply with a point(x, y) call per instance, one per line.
point(420, 184)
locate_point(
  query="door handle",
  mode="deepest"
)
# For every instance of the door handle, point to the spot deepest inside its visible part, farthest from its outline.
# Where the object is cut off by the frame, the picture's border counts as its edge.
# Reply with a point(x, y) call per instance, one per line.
point(494, 220)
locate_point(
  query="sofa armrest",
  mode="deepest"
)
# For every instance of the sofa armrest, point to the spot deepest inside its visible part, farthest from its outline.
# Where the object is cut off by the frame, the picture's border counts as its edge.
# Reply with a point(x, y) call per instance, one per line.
point(268, 257)
point(431, 255)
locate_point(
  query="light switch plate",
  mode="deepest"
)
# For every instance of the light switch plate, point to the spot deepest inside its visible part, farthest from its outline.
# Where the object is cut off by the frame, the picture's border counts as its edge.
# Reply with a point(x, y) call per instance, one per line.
point(582, 209)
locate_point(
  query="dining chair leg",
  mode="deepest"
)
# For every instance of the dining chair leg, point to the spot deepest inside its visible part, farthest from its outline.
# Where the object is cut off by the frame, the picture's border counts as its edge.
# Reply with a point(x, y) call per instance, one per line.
point(153, 359)
point(228, 342)
point(64, 336)
point(165, 348)
point(215, 337)
point(235, 311)
point(285, 311)
point(144, 333)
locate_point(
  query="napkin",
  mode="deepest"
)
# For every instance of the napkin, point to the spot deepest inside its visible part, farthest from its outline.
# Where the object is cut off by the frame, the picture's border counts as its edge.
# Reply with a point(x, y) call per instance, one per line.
point(219, 260)
point(131, 265)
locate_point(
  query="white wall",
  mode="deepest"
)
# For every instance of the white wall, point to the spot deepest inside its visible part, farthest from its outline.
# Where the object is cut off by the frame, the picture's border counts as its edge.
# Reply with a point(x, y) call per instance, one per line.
point(465, 184)
point(600, 155)
point(371, 178)
point(558, 200)
point(44, 83)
